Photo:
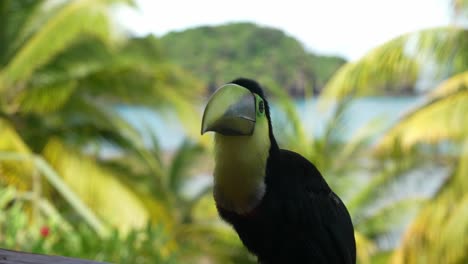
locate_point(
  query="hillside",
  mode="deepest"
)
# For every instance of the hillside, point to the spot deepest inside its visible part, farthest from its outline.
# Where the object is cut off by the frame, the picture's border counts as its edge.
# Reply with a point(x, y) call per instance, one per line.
point(217, 54)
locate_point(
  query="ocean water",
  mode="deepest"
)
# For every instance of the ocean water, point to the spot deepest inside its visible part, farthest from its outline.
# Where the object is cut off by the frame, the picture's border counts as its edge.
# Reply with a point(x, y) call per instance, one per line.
point(384, 110)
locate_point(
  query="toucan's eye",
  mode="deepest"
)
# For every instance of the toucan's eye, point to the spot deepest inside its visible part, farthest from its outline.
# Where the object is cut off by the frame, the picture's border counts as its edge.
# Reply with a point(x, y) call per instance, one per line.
point(261, 107)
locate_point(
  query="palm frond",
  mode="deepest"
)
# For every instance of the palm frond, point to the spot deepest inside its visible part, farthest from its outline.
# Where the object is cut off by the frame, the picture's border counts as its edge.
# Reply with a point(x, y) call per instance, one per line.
point(14, 15)
point(33, 193)
point(361, 139)
point(366, 195)
point(158, 86)
point(97, 187)
point(10, 140)
point(398, 63)
point(452, 85)
point(441, 119)
point(438, 234)
point(386, 65)
point(14, 173)
point(72, 20)
point(184, 159)
point(183, 105)
point(55, 180)
point(80, 59)
point(366, 248)
point(388, 217)
point(84, 120)
point(45, 99)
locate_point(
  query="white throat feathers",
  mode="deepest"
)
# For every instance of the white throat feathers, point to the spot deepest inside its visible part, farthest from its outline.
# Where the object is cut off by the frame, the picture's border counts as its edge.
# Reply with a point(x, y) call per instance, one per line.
point(240, 169)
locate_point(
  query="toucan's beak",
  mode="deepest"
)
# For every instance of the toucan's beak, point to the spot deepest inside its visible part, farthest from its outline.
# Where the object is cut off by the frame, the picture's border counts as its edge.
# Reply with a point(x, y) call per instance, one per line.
point(230, 111)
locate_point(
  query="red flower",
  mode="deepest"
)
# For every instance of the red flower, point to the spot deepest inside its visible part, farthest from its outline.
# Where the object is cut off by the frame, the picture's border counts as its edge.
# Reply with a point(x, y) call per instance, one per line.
point(45, 231)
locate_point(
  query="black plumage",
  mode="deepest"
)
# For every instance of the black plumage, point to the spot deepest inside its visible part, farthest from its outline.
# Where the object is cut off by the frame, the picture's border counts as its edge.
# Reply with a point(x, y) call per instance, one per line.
point(299, 219)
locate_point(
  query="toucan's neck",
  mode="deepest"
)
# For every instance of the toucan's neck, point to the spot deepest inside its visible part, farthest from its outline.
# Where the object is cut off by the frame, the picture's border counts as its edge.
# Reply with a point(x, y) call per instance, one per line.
point(240, 169)
point(274, 148)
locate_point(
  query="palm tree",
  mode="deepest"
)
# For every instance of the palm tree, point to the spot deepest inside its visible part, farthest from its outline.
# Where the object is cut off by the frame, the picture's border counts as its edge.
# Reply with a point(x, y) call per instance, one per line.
point(62, 72)
point(432, 236)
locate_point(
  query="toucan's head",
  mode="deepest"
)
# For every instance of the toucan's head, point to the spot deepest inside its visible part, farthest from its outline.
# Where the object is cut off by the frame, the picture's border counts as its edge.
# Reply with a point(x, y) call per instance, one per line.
point(237, 109)
point(240, 117)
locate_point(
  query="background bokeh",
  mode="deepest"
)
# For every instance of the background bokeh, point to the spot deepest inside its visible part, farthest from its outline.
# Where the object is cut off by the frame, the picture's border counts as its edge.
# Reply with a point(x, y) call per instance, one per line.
point(100, 149)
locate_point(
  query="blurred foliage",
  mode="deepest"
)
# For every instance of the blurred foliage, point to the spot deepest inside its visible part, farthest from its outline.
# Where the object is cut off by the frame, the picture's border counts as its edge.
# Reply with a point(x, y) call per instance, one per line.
point(432, 133)
point(217, 54)
point(444, 112)
point(58, 99)
point(48, 234)
point(396, 66)
point(460, 8)
point(439, 233)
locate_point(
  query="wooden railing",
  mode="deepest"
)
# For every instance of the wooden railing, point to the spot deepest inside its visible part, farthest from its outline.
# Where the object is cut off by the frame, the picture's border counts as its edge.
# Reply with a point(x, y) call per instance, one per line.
point(15, 257)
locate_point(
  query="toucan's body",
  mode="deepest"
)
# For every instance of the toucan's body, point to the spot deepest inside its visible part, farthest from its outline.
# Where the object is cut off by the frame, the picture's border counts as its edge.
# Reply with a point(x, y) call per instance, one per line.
point(276, 200)
point(299, 220)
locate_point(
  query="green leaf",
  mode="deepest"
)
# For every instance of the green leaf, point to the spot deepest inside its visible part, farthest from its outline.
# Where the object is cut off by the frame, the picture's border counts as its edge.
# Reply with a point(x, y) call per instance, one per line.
point(100, 190)
point(45, 99)
point(13, 173)
point(443, 118)
point(14, 15)
point(450, 86)
point(388, 217)
point(438, 234)
point(64, 27)
point(186, 157)
point(398, 63)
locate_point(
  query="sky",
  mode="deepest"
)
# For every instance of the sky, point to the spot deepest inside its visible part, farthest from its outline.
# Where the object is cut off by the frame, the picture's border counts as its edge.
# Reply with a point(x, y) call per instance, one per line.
point(347, 28)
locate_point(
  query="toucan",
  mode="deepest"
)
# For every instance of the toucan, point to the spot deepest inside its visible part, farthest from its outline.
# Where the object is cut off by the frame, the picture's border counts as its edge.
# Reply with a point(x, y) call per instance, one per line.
point(276, 200)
